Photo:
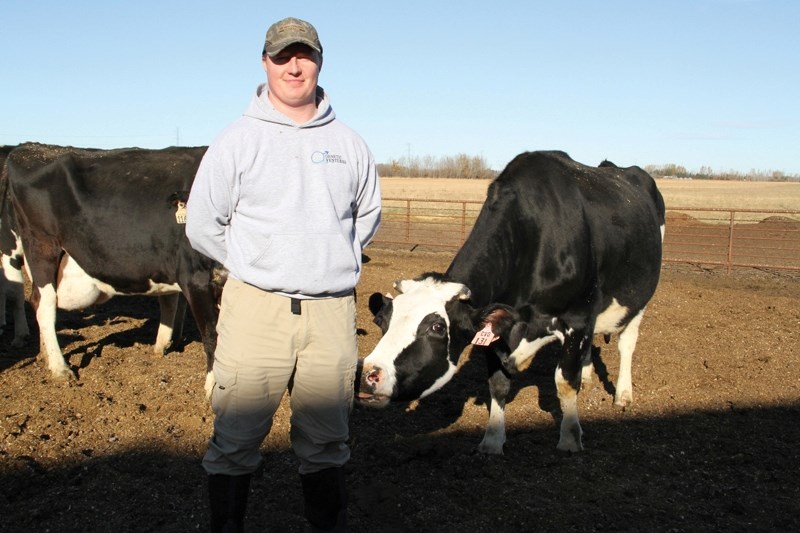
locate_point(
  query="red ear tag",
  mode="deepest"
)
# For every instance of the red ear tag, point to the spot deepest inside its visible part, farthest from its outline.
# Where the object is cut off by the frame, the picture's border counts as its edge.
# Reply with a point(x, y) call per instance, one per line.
point(485, 336)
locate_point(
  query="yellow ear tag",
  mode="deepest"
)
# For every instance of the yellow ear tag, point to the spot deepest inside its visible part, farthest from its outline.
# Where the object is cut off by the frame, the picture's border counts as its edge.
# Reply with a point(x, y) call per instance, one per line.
point(180, 213)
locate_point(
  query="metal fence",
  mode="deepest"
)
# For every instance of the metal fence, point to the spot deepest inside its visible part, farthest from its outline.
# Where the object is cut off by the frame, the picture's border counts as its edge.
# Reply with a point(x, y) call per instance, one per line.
point(715, 237)
point(733, 238)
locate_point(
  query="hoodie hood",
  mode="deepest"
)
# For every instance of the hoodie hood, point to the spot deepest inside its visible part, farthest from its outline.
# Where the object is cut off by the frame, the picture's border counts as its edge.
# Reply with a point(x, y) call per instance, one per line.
point(261, 108)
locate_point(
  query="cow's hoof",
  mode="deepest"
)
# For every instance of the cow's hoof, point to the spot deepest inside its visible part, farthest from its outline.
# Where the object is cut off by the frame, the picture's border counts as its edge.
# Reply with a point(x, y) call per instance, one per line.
point(623, 400)
point(571, 439)
point(491, 448)
point(570, 447)
point(63, 374)
point(160, 350)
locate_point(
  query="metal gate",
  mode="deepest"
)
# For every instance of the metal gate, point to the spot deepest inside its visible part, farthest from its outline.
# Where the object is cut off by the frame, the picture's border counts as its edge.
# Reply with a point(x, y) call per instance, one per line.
point(714, 236)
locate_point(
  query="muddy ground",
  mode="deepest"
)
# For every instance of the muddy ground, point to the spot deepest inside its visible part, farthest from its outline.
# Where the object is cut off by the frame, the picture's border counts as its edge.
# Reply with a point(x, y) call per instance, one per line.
point(710, 444)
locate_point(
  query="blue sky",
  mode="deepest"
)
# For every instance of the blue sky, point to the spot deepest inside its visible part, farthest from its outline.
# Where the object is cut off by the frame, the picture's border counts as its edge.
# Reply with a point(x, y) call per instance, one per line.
point(712, 83)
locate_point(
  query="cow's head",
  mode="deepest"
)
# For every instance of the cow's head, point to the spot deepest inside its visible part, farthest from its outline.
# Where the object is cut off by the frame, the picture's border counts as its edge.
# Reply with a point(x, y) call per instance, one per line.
point(417, 354)
point(426, 328)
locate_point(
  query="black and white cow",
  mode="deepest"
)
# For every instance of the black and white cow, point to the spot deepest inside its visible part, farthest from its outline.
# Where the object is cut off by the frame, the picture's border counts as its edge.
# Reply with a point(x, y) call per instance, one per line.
point(12, 284)
point(560, 251)
point(98, 223)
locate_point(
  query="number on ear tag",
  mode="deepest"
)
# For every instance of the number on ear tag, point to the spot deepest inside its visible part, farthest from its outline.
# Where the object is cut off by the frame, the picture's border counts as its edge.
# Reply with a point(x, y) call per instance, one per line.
point(485, 336)
point(180, 213)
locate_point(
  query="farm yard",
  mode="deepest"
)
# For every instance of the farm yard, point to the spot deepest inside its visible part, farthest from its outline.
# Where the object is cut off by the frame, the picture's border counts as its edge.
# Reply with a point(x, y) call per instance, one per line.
point(709, 444)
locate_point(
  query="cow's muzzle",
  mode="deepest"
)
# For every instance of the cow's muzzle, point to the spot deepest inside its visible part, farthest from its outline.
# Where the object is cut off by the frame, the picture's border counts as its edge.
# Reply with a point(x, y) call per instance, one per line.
point(368, 380)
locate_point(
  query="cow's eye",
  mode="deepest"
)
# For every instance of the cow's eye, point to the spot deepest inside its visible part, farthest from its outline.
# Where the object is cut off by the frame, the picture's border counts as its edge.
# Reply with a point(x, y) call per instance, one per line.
point(438, 328)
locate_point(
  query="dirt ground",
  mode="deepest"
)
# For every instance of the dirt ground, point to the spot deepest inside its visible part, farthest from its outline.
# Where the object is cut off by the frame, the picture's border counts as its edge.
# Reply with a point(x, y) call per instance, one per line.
point(710, 444)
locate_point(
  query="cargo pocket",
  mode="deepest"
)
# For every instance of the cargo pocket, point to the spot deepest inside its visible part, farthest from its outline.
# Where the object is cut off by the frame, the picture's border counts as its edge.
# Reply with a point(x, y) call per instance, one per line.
point(225, 378)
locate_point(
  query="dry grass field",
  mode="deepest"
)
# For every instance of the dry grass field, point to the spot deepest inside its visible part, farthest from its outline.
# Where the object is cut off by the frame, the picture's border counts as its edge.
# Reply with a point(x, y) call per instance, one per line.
point(730, 194)
point(677, 193)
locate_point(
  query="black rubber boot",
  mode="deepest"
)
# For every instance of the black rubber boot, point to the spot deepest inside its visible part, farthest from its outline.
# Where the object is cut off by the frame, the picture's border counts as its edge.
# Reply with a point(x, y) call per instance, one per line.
point(325, 498)
point(228, 498)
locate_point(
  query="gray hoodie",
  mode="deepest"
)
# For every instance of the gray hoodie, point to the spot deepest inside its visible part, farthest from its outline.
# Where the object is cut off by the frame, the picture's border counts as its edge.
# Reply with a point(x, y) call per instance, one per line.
point(286, 207)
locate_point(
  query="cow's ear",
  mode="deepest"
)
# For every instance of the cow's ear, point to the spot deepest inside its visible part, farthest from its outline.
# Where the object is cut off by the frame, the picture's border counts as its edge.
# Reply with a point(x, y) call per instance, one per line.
point(464, 293)
point(499, 317)
point(178, 197)
point(377, 301)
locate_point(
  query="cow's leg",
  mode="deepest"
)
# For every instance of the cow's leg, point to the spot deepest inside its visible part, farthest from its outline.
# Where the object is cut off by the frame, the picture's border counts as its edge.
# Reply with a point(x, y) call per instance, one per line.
point(180, 319)
point(21, 331)
point(202, 302)
point(587, 369)
point(568, 384)
point(3, 285)
point(14, 288)
point(43, 261)
point(522, 356)
point(46, 318)
point(627, 344)
point(15, 292)
point(499, 385)
point(168, 305)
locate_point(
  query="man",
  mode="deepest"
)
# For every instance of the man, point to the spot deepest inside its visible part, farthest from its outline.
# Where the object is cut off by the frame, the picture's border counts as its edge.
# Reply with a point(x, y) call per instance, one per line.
point(286, 198)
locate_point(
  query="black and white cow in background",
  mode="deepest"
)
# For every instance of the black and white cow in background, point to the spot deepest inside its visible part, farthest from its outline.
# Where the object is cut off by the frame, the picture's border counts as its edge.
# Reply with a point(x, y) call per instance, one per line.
point(99, 223)
point(560, 251)
point(12, 282)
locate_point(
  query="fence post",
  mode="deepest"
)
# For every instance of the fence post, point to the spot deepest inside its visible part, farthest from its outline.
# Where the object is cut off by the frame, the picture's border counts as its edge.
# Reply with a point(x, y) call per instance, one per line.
point(408, 221)
point(730, 240)
point(463, 222)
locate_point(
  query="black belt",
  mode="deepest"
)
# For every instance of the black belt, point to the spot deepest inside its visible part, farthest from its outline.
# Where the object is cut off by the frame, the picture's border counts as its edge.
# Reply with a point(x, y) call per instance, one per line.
point(296, 305)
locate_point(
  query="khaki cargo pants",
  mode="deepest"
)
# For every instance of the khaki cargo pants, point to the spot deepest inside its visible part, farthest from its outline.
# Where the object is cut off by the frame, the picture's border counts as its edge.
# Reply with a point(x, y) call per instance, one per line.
point(265, 348)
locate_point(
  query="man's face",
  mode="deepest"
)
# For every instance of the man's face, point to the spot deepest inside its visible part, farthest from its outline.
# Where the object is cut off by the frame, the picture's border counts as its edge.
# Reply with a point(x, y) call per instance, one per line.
point(292, 77)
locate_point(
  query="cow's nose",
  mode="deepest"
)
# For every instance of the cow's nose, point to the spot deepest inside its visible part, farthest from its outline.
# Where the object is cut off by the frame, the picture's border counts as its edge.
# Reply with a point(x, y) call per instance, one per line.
point(374, 376)
point(369, 377)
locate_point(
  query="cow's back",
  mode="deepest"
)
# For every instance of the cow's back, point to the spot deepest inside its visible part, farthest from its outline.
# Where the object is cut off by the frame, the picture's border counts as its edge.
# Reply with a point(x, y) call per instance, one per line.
point(119, 176)
point(111, 210)
point(552, 228)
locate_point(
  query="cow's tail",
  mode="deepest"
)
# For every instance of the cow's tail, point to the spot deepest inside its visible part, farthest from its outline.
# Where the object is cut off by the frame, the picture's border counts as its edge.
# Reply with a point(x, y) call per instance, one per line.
point(4, 200)
point(8, 221)
point(661, 209)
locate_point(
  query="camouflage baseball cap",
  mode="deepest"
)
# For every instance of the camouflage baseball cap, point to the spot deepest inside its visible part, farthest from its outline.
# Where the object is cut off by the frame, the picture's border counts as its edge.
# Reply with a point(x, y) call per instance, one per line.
point(289, 31)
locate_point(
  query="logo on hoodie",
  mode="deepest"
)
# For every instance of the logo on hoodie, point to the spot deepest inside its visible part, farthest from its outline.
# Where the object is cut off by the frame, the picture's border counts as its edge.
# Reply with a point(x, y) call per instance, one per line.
point(322, 158)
